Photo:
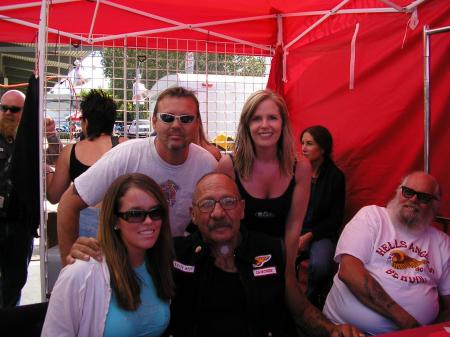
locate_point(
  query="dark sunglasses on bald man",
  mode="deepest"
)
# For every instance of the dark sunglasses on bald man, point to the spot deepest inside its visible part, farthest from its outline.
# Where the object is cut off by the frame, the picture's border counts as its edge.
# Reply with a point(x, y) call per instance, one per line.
point(423, 198)
point(12, 108)
point(169, 118)
point(138, 215)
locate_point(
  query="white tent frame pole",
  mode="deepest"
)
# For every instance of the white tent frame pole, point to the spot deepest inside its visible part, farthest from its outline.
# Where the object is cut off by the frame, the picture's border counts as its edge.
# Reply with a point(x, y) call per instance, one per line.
point(196, 27)
point(426, 98)
point(279, 30)
point(125, 70)
point(50, 30)
point(42, 37)
point(438, 30)
point(139, 33)
point(178, 23)
point(34, 4)
point(426, 91)
point(94, 18)
point(413, 5)
point(342, 12)
point(180, 26)
point(393, 5)
point(162, 30)
point(191, 26)
point(315, 24)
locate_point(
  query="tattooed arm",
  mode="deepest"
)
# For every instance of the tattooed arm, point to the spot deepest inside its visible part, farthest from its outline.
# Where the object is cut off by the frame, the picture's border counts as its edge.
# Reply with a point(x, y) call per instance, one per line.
point(308, 319)
point(68, 225)
point(369, 292)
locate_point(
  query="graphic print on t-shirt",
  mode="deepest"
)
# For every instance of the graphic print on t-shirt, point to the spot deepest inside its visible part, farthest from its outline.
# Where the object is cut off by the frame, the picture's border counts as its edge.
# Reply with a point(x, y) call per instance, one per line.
point(170, 189)
point(400, 260)
point(407, 262)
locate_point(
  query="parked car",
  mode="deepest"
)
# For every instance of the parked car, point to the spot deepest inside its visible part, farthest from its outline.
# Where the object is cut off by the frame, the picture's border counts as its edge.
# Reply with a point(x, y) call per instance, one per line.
point(139, 128)
point(119, 128)
point(62, 128)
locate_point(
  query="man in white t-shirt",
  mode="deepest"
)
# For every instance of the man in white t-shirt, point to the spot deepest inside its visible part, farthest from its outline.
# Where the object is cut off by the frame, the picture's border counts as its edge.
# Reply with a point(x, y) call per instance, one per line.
point(394, 270)
point(170, 158)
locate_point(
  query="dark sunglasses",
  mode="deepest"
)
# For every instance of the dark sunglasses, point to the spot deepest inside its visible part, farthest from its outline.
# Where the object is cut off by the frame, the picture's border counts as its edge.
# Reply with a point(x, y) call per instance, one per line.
point(169, 118)
point(14, 109)
point(423, 198)
point(138, 215)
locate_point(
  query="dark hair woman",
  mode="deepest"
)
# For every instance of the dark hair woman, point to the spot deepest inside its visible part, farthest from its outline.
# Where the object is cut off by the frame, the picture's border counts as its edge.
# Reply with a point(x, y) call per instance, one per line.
point(325, 210)
point(128, 293)
point(98, 115)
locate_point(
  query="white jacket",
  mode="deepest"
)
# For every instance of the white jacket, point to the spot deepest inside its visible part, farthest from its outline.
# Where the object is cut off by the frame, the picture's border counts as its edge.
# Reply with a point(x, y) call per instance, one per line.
point(79, 301)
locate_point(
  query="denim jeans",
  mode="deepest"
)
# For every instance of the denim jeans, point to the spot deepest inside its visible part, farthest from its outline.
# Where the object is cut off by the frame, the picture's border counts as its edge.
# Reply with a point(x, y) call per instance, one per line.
point(89, 222)
point(321, 266)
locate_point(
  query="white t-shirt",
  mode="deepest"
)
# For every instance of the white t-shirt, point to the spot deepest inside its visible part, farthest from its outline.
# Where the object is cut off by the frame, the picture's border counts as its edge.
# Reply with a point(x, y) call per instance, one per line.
point(140, 155)
point(413, 269)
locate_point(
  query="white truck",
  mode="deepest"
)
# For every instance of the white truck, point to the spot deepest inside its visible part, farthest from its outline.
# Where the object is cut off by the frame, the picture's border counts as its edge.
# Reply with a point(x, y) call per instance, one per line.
point(139, 128)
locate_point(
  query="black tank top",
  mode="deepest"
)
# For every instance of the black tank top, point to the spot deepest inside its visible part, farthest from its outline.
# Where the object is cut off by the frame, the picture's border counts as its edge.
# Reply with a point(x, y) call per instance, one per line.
point(77, 168)
point(266, 215)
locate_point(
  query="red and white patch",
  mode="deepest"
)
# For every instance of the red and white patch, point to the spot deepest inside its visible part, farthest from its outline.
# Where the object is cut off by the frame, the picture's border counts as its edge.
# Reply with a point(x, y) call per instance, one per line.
point(261, 260)
point(183, 267)
point(265, 271)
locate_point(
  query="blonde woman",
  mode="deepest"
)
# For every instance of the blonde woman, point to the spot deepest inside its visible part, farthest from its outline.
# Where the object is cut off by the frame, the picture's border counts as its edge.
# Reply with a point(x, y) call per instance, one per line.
point(127, 294)
point(274, 183)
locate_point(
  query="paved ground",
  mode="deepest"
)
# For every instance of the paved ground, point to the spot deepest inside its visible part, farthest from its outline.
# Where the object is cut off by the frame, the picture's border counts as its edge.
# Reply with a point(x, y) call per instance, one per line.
point(31, 293)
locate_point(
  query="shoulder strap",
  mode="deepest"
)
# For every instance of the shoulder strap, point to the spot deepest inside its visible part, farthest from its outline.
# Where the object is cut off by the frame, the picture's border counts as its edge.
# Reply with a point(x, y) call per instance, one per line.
point(236, 174)
point(72, 152)
point(231, 157)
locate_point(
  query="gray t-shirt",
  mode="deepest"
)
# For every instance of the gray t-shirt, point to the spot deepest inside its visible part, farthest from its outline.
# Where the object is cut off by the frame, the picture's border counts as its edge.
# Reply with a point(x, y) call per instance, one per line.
point(177, 181)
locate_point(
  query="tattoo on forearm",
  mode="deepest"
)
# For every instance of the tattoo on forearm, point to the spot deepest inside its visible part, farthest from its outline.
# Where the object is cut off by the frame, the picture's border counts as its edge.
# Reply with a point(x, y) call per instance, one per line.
point(314, 322)
point(376, 294)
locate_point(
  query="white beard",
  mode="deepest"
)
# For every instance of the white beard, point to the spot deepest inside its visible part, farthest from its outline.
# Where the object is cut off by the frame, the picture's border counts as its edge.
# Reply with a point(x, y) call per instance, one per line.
point(416, 222)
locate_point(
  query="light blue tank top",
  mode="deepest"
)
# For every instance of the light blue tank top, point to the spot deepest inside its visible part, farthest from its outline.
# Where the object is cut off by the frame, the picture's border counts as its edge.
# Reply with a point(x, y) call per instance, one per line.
point(89, 222)
point(149, 320)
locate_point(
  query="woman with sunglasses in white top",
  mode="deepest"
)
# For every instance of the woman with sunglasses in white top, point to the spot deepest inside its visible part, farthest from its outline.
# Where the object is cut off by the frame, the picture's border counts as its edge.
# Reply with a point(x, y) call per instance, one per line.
point(128, 293)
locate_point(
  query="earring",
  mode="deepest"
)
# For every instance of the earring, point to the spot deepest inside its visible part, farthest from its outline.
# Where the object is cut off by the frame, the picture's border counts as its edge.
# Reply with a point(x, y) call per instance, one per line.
point(116, 227)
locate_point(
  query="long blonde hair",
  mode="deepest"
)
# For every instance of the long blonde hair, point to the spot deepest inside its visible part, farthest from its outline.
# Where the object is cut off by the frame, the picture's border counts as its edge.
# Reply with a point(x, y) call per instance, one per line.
point(244, 151)
point(200, 137)
point(159, 258)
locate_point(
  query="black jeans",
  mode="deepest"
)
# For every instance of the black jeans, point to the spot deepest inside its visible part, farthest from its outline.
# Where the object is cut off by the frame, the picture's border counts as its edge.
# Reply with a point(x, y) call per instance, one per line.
point(24, 320)
point(16, 247)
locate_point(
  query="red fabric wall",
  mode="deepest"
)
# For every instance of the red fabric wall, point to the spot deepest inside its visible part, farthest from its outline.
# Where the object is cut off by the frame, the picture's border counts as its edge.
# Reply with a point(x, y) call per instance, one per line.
point(378, 126)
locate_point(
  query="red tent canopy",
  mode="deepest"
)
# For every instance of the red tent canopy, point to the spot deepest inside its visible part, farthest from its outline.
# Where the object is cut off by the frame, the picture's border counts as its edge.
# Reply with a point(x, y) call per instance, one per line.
point(354, 66)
